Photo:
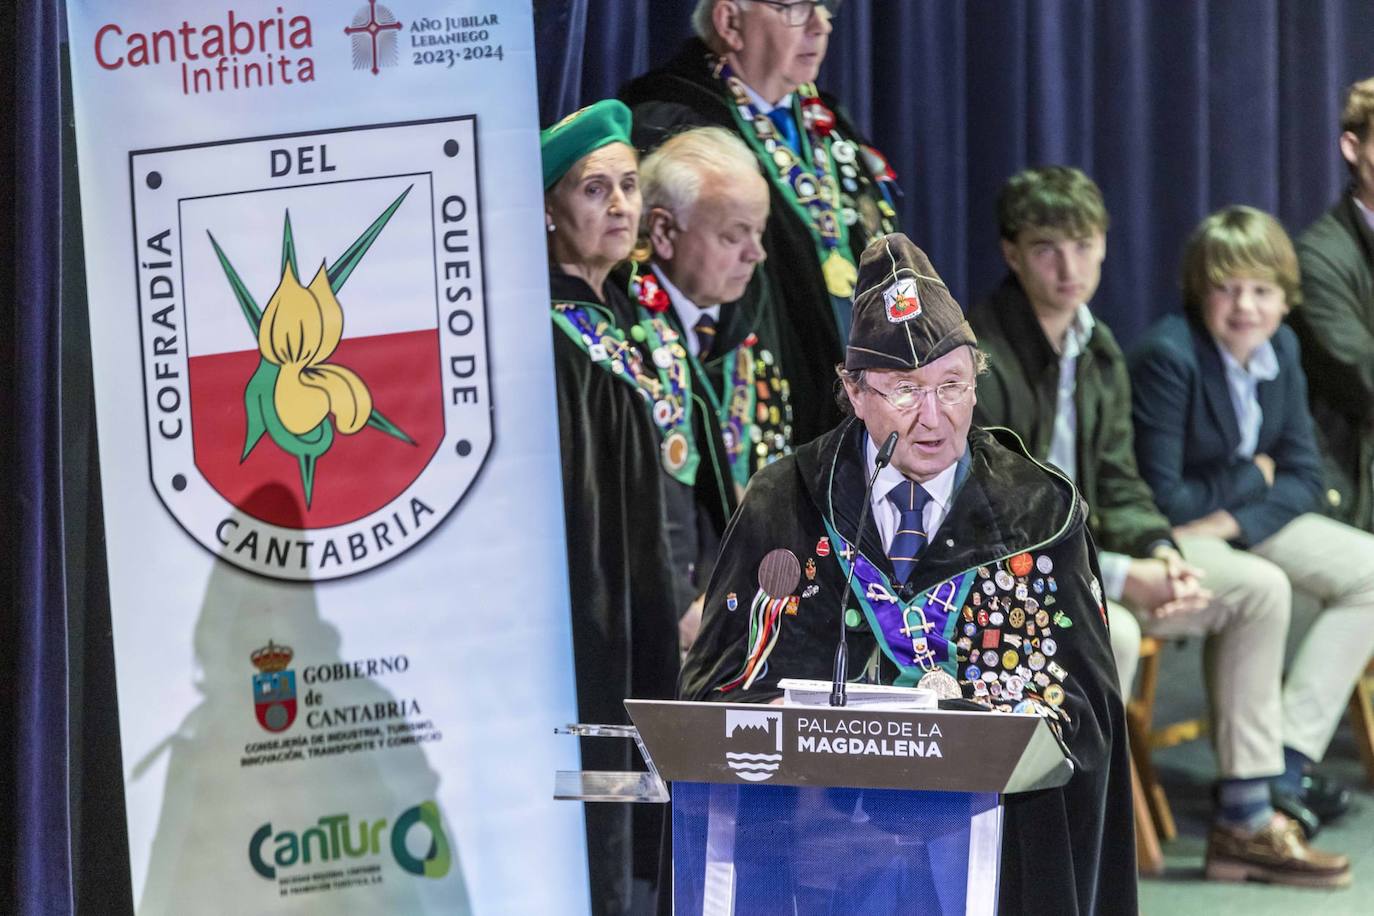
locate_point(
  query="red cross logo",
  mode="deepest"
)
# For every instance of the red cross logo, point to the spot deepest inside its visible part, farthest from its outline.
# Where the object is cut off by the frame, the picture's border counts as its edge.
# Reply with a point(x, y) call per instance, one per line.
point(373, 28)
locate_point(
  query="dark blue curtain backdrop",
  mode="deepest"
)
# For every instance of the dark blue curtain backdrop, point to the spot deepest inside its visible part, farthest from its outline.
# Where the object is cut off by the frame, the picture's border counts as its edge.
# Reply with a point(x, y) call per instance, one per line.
point(1175, 107)
point(37, 702)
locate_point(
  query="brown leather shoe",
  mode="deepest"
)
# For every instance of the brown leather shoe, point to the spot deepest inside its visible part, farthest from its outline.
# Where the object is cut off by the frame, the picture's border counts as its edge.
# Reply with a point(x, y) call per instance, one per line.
point(1276, 853)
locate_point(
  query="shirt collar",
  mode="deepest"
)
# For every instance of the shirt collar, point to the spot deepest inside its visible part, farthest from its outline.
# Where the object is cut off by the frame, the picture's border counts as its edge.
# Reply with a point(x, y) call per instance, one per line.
point(688, 312)
point(761, 103)
point(1364, 211)
point(1263, 366)
point(1076, 337)
point(940, 487)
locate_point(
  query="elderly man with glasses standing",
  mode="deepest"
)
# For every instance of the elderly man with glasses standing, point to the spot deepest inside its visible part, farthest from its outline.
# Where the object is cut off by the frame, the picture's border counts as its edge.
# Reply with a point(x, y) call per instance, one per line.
point(960, 530)
point(751, 70)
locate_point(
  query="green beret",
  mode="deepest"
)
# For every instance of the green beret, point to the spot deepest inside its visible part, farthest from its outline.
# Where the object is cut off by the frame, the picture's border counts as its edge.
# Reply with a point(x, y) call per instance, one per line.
point(904, 315)
point(580, 133)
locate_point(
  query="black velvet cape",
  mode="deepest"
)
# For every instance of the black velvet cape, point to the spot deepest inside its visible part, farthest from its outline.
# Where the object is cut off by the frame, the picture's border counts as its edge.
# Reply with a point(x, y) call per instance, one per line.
point(683, 94)
point(1064, 851)
point(624, 624)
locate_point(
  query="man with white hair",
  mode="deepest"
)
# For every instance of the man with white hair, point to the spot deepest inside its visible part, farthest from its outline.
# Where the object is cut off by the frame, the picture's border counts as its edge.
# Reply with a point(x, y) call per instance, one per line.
point(705, 209)
point(751, 70)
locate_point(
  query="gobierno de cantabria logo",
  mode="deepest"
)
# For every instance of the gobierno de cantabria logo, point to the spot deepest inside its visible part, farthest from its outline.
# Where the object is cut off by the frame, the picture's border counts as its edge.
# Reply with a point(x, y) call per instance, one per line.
point(755, 748)
point(312, 325)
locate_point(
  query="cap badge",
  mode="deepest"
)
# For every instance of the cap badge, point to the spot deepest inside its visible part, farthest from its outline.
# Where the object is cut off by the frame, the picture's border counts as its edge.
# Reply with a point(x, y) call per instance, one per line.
point(901, 301)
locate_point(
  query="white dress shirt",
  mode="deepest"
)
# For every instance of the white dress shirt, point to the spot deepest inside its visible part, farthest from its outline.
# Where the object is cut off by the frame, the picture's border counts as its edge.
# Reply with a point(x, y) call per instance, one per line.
point(885, 512)
point(688, 312)
point(1243, 381)
point(762, 104)
point(1064, 440)
point(1365, 212)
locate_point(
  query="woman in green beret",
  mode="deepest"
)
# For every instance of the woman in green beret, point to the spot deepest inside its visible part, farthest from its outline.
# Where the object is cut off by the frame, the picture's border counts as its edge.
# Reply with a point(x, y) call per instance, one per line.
point(624, 621)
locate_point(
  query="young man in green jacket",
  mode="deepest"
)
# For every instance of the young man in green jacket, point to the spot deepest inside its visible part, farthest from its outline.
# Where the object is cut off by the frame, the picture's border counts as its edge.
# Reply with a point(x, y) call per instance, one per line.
point(1335, 325)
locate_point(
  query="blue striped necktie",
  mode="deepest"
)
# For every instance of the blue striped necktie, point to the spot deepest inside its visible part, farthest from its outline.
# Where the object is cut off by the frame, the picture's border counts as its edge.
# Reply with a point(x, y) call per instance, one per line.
point(910, 499)
point(705, 329)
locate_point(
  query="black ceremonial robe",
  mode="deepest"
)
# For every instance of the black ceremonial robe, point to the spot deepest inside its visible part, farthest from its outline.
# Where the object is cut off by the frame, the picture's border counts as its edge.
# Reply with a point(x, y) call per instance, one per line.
point(744, 335)
point(1064, 851)
point(684, 94)
point(624, 625)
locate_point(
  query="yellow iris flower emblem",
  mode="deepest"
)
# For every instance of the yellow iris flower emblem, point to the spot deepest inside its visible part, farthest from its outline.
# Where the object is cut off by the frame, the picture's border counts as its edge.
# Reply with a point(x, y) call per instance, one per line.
point(300, 329)
point(296, 390)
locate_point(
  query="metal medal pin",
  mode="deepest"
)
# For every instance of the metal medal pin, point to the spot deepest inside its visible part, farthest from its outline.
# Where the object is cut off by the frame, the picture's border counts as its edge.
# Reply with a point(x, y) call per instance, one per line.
point(675, 451)
point(663, 412)
point(941, 684)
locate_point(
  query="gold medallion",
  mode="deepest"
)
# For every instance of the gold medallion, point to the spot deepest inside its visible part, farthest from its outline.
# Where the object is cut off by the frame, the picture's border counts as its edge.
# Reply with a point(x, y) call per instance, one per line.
point(675, 451)
point(840, 274)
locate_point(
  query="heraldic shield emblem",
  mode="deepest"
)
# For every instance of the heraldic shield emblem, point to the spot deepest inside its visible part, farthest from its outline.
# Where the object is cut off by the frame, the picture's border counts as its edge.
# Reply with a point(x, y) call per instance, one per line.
point(313, 333)
point(274, 687)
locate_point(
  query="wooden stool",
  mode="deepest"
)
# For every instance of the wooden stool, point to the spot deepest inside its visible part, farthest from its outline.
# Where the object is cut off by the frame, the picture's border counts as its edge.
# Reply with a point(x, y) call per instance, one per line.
point(1145, 739)
point(1140, 713)
point(1362, 719)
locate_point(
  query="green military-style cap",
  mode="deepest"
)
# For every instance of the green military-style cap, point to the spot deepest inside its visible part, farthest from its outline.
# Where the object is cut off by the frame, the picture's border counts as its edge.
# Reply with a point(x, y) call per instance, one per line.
point(584, 131)
point(904, 315)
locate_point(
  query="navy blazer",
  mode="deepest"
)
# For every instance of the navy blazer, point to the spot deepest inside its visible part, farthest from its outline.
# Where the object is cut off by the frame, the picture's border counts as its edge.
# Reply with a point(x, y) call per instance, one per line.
point(1186, 432)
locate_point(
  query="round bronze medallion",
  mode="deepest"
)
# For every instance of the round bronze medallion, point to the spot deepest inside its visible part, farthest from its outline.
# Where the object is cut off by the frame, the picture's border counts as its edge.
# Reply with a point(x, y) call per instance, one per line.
point(675, 451)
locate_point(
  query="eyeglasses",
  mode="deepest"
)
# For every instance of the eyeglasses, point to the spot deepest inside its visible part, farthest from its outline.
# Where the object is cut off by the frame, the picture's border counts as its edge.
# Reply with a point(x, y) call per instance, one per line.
point(799, 12)
point(909, 397)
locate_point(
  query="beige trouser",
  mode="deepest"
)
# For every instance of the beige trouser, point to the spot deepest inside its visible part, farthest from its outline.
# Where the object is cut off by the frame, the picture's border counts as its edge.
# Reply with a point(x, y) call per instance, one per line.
point(1246, 626)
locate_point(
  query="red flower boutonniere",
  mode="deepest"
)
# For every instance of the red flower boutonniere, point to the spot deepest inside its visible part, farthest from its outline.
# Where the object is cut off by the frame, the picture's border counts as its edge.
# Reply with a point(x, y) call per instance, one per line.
point(650, 294)
point(820, 120)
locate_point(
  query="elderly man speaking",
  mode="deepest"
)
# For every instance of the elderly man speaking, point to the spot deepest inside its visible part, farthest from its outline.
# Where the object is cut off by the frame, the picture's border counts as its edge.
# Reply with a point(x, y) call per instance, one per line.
point(752, 71)
point(965, 532)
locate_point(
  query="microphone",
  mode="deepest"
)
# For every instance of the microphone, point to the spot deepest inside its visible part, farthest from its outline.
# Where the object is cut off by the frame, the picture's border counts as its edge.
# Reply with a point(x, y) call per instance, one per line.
point(841, 672)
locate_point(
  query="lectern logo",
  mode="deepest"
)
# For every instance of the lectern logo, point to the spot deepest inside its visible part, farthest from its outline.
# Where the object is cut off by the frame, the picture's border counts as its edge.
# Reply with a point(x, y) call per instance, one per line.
point(313, 330)
point(755, 743)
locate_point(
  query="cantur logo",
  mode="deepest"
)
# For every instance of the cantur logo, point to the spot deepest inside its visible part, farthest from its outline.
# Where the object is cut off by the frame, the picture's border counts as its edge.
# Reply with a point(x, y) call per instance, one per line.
point(336, 837)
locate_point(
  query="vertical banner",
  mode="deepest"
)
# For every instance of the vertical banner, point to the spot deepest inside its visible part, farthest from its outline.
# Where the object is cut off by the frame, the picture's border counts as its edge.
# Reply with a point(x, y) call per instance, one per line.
point(328, 446)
